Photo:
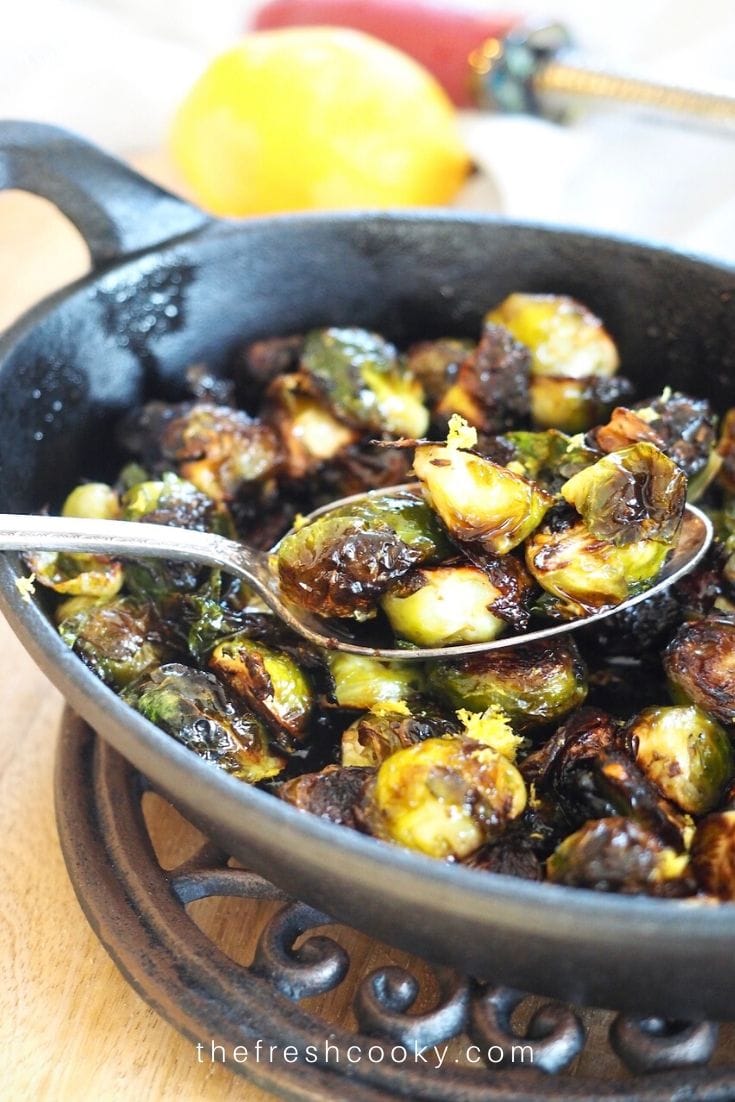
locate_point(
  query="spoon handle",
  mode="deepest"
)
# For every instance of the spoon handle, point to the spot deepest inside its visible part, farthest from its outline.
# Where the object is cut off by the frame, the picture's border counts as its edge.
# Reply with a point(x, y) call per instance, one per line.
point(121, 538)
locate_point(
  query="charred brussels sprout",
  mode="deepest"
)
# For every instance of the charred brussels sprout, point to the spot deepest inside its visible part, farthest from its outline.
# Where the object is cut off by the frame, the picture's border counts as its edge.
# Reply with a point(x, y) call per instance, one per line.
point(700, 665)
point(333, 793)
point(389, 727)
point(436, 363)
point(574, 405)
point(618, 855)
point(195, 709)
point(685, 753)
point(532, 684)
point(479, 500)
point(632, 494)
point(726, 451)
point(491, 389)
point(363, 380)
point(584, 574)
point(270, 681)
point(76, 574)
point(222, 451)
point(362, 682)
point(169, 501)
point(342, 563)
point(445, 797)
point(713, 855)
point(442, 605)
point(119, 640)
point(310, 433)
point(563, 336)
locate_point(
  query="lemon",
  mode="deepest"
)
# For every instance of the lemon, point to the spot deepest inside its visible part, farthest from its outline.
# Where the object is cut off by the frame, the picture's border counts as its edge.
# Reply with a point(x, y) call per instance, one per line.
point(317, 117)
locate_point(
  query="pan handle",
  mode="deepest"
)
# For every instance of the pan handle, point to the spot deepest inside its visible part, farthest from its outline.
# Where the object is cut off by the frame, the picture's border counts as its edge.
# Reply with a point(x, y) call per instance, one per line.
point(116, 210)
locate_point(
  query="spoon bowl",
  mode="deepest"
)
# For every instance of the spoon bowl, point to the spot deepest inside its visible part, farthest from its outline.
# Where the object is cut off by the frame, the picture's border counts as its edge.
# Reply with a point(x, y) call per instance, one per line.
point(119, 538)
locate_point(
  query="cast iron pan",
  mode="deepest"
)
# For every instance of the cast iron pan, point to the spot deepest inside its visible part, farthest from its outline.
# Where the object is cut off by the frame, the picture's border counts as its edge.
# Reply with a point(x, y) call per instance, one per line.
point(170, 287)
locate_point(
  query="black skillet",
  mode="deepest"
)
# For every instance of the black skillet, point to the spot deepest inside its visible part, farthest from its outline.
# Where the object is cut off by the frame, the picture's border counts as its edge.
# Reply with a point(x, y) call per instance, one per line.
point(170, 287)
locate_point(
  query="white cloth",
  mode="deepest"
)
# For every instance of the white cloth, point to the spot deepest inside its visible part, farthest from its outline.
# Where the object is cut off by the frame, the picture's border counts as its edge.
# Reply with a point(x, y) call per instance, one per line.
point(115, 70)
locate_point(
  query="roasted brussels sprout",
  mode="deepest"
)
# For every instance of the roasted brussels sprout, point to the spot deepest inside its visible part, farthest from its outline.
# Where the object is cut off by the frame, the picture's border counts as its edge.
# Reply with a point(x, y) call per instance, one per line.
point(726, 451)
point(333, 793)
point(441, 605)
point(309, 432)
point(686, 754)
point(195, 709)
point(118, 640)
point(564, 338)
point(713, 855)
point(444, 797)
point(270, 681)
point(76, 574)
point(629, 495)
point(256, 364)
point(342, 563)
point(575, 405)
point(700, 665)
point(389, 727)
point(93, 500)
point(362, 682)
point(222, 451)
point(175, 501)
point(436, 363)
point(584, 574)
point(681, 427)
point(588, 768)
point(549, 457)
point(510, 855)
point(532, 684)
point(618, 855)
point(491, 389)
point(366, 385)
point(479, 500)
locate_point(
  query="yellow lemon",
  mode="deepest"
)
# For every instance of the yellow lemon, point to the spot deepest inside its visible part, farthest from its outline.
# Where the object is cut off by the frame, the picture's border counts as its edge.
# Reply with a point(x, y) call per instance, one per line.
point(317, 118)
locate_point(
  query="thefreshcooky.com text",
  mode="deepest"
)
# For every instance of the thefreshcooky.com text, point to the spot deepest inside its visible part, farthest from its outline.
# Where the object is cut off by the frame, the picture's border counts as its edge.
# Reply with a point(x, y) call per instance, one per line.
point(260, 1051)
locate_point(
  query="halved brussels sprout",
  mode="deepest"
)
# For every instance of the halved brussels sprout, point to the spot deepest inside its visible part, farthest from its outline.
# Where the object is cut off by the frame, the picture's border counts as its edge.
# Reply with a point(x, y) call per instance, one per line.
point(575, 405)
point(362, 682)
point(175, 501)
point(93, 500)
point(532, 684)
point(333, 793)
point(389, 727)
point(629, 495)
point(119, 640)
point(618, 855)
point(366, 385)
point(700, 666)
point(584, 574)
point(681, 427)
point(222, 451)
point(713, 855)
point(255, 365)
point(310, 433)
point(479, 500)
point(686, 754)
point(76, 574)
point(491, 389)
point(343, 562)
point(195, 708)
point(563, 336)
point(436, 363)
point(441, 605)
point(270, 681)
point(444, 797)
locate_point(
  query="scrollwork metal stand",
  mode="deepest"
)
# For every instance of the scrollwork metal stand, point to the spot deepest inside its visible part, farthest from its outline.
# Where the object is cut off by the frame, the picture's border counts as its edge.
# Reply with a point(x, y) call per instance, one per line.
point(138, 909)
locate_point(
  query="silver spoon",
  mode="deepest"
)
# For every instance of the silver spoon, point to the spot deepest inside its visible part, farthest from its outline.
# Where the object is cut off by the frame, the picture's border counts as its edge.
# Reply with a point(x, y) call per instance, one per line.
point(119, 538)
